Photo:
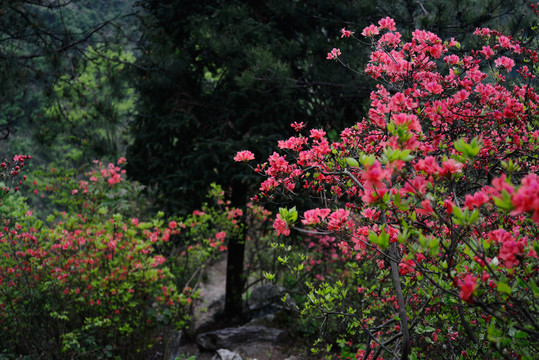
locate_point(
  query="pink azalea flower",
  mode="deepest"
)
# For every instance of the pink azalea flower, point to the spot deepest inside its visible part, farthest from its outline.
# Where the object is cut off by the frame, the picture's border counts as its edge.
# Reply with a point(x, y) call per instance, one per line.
point(510, 249)
point(346, 33)
point(374, 175)
point(505, 41)
point(333, 54)
point(467, 287)
point(426, 208)
point(315, 216)
point(244, 155)
point(298, 126)
point(387, 23)
point(475, 200)
point(338, 219)
point(450, 167)
point(317, 134)
point(505, 62)
point(281, 226)
point(527, 197)
point(487, 52)
point(500, 236)
point(370, 30)
point(428, 165)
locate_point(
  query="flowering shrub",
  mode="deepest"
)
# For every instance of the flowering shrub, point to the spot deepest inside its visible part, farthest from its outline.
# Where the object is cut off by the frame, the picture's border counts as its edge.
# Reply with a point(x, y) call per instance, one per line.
point(104, 186)
point(202, 237)
point(9, 169)
point(93, 283)
point(432, 202)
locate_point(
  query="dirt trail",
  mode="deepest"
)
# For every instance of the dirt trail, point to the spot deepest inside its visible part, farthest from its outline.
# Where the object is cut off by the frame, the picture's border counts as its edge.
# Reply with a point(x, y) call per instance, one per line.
point(212, 300)
point(211, 291)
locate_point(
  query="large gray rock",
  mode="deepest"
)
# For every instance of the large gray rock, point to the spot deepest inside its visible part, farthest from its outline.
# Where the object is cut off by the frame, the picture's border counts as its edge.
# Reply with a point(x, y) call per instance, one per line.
point(266, 299)
point(224, 354)
point(262, 296)
point(231, 338)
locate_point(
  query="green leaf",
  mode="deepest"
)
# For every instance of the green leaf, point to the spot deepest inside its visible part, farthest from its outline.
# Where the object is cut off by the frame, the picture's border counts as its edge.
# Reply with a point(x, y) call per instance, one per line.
point(471, 150)
point(381, 240)
point(473, 217)
point(367, 160)
point(458, 217)
point(397, 200)
point(352, 162)
point(288, 216)
point(504, 202)
point(535, 289)
point(269, 276)
point(283, 260)
point(503, 287)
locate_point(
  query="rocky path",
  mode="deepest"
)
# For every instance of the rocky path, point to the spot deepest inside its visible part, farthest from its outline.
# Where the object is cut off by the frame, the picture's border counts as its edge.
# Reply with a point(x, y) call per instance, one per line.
point(260, 339)
point(213, 293)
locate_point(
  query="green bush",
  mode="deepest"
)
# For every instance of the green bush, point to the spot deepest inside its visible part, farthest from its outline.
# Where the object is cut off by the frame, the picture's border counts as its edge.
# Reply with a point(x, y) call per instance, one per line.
point(92, 282)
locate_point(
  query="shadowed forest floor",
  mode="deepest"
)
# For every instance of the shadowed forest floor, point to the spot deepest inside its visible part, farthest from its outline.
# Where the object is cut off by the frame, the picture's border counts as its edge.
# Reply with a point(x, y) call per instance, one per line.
point(210, 304)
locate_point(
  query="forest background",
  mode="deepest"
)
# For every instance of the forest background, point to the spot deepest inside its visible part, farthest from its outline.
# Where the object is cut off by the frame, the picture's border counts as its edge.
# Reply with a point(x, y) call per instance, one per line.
point(172, 90)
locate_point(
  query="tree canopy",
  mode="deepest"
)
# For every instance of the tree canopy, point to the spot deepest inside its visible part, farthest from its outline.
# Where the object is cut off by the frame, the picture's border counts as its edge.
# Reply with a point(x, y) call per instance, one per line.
point(218, 75)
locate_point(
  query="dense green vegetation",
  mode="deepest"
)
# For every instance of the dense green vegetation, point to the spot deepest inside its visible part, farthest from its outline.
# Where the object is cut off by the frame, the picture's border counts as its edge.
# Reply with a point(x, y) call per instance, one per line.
point(132, 111)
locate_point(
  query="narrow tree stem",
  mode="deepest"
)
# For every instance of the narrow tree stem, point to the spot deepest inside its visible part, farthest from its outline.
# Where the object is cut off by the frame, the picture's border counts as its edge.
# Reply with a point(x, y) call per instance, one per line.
point(400, 301)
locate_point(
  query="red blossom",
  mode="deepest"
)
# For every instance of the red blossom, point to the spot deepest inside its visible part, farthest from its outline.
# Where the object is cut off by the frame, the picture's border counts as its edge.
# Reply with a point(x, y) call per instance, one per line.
point(505, 62)
point(370, 31)
point(346, 33)
point(526, 198)
point(373, 176)
point(281, 226)
point(333, 54)
point(399, 167)
point(475, 200)
point(467, 287)
point(387, 23)
point(338, 219)
point(315, 216)
point(244, 156)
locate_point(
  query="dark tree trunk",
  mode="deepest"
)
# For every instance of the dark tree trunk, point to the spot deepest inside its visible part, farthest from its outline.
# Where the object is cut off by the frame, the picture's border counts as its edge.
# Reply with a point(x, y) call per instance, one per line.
point(234, 276)
point(234, 268)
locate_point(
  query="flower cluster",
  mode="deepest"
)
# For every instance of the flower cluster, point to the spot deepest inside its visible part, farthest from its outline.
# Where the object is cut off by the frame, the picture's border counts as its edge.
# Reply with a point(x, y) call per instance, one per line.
point(435, 193)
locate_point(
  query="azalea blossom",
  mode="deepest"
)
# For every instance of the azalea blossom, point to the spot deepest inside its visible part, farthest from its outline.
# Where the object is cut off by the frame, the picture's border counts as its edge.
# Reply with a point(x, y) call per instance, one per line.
point(244, 156)
point(370, 31)
point(413, 192)
point(315, 216)
point(333, 54)
point(505, 62)
point(281, 226)
point(297, 126)
point(338, 219)
point(487, 52)
point(374, 175)
point(387, 23)
point(475, 200)
point(467, 287)
point(346, 33)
